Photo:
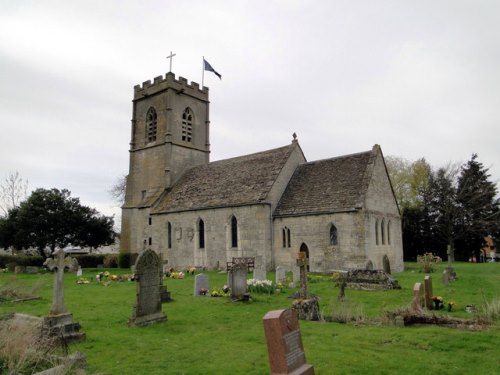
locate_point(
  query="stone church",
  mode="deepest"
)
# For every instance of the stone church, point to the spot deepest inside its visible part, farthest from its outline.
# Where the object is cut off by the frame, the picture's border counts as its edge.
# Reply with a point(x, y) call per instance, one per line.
point(269, 205)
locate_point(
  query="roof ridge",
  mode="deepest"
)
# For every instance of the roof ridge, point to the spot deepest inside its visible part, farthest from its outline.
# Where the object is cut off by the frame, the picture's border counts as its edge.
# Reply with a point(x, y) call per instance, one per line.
point(338, 157)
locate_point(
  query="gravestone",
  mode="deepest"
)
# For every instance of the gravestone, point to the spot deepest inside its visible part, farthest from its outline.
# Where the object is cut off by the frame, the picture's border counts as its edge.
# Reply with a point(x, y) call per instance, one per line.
point(148, 276)
point(280, 275)
point(59, 322)
point(446, 278)
point(295, 275)
point(418, 297)
point(259, 273)
point(201, 285)
point(284, 344)
point(428, 292)
point(237, 280)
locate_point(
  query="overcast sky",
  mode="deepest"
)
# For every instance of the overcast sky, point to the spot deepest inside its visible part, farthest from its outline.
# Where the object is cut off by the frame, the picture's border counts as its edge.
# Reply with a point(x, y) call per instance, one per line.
point(420, 78)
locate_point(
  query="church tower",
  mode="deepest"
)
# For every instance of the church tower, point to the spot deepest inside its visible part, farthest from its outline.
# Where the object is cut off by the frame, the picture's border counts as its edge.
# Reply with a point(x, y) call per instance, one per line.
point(170, 134)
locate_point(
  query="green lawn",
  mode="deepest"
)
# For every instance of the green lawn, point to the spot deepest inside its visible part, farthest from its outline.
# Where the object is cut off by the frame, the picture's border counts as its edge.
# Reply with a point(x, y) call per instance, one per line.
point(205, 335)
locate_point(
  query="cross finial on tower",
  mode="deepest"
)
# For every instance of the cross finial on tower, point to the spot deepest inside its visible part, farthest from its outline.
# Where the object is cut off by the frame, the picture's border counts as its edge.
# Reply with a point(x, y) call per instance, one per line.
point(171, 58)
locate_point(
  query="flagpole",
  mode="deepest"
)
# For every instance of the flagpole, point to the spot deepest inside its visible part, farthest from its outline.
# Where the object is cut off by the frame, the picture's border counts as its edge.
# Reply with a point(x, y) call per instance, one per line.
point(203, 72)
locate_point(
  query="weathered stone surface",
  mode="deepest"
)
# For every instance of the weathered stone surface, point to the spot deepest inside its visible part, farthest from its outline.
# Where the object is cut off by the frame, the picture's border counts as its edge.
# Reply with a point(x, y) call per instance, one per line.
point(148, 276)
point(369, 280)
point(307, 309)
point(280, 275)
point(237, 281)
point(284, 343)
point(418, 297)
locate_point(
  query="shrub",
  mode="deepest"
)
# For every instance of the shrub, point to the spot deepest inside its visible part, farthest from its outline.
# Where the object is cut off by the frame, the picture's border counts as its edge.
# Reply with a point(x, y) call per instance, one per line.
point(124, 260)
point(427, 262)
point(111, 261)
point(90, 260)
point(21, 260)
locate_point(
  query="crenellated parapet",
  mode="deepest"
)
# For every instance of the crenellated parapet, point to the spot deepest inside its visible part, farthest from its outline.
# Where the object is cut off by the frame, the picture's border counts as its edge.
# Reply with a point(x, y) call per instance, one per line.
point(181, 86)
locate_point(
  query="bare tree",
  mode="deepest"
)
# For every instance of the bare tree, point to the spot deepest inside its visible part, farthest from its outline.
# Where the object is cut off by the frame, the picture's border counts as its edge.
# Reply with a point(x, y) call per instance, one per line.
point(13, 190)
point(117, 191)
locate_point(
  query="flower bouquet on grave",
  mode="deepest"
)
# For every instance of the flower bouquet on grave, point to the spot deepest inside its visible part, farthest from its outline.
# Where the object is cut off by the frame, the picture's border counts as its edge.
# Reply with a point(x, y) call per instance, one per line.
point(82, 280)
point(450, 305)
point(203, 291)
point(438, 302)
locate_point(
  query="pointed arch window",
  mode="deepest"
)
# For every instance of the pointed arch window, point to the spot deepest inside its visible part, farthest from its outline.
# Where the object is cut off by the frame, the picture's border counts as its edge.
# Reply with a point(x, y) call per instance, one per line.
point(201, 234)
point(333, 235)
point(284, 237)
point(151, 125)
point(169, 235)
point(234, 232)
point(187, 125)
point(376, 231)
point(389, 232)
point(382, 231)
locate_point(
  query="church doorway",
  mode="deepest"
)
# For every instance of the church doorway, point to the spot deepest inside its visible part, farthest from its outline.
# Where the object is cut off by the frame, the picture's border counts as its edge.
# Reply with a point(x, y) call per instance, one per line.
point(386, 264)
point(305, 249)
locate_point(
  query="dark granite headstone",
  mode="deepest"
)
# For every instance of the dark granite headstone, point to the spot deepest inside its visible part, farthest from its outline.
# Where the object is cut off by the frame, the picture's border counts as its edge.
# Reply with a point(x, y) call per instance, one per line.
point(148, 275)
point(284, 343)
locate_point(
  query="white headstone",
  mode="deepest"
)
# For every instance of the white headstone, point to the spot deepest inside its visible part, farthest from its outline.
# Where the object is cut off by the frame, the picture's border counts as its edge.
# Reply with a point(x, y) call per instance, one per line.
point(280, 275)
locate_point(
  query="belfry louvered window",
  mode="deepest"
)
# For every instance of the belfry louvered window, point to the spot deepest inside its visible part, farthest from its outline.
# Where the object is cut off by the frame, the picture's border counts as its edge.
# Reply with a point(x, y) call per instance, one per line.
point(151, 125)
point(187, 125)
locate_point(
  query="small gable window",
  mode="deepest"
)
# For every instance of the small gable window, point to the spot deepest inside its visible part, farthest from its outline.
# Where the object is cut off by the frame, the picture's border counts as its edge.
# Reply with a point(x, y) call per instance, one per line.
point(234, 232)
point(187, 125)
point(333, 235)
point(151, 125)
point(201, 233)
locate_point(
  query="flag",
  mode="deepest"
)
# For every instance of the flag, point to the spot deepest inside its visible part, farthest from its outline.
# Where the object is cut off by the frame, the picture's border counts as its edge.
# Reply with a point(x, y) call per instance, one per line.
point(208, 67)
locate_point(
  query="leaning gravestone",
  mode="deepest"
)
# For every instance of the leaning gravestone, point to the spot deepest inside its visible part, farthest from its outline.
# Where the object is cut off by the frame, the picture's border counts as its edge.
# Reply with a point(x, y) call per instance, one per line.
point(284, 343)
point(200, 285)
point(148, 275)
point(237, 280)
point(59, 322)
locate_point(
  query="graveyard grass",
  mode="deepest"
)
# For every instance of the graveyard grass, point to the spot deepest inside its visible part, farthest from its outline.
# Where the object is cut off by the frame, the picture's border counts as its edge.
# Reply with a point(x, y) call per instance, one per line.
point(206, 335)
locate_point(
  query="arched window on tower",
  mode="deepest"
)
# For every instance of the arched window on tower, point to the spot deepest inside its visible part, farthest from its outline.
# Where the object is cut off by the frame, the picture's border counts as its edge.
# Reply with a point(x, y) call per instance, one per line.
point(151, 125)
point(187, 125)
point(201, 234)
point(234, 232)
point(333, 235)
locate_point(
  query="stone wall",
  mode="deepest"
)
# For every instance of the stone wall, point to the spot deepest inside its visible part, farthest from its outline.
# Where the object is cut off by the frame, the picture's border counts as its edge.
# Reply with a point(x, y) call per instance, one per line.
point(254, 236)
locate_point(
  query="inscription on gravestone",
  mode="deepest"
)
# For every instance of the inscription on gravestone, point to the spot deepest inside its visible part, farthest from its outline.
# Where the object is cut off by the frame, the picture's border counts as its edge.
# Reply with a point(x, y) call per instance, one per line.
point(148, 275)
point(284, 343)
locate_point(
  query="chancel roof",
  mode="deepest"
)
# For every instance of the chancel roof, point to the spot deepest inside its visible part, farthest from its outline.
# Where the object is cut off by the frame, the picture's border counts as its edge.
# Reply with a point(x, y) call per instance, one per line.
point(232, 182)
point(326, 186)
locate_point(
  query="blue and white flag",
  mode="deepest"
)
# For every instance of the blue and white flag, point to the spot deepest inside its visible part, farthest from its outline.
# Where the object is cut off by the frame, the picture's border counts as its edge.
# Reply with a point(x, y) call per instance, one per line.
point(208, 67)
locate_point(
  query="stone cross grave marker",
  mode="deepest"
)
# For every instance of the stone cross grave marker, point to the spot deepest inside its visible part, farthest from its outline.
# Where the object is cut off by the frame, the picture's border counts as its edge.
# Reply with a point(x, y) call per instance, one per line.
point(284, 343)
point(302, 263)
point(58, 264)
point(201, 285)
point(280, 275)
point(237, 280)
point(148, 276)
point(418, 298)
point(428, 292)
